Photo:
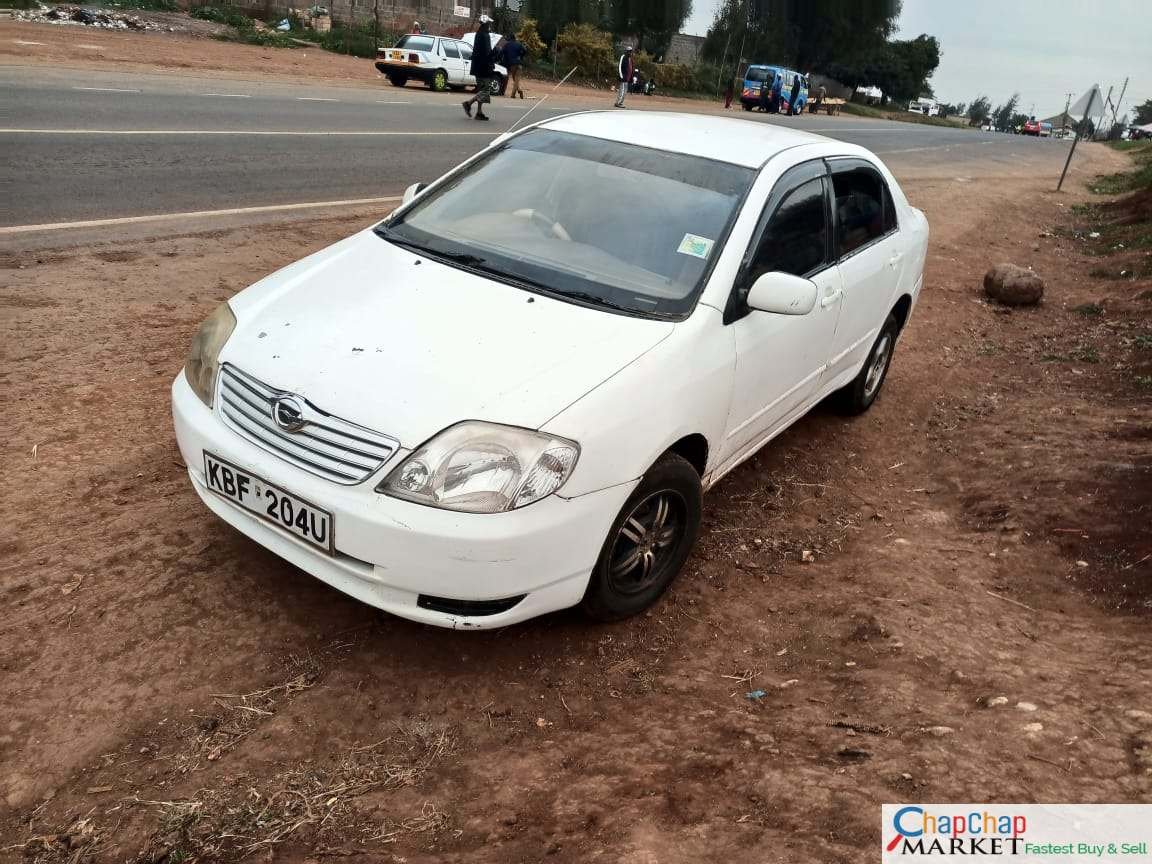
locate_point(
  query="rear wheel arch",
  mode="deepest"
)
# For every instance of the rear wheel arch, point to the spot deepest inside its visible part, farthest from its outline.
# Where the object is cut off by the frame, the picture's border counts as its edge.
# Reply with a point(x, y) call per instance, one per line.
point(902, 309)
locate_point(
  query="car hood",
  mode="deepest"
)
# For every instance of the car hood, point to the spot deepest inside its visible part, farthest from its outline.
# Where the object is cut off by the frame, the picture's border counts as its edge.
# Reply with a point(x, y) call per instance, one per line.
point(407, 346)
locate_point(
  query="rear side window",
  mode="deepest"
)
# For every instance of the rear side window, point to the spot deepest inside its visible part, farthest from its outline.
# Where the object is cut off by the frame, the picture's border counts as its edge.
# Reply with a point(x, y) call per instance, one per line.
point(465, 51)
point(450, 49)
point(796, 238)
point(417, 43)
point(860, 195)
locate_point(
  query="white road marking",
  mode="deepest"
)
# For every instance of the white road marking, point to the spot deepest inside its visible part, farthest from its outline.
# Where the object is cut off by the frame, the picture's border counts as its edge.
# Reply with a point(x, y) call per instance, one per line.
point(23, 42)
point(491, 134)
point(387, 102)
point(315, 99)
point(107, 89)
point(194, 214)
point(229, 95)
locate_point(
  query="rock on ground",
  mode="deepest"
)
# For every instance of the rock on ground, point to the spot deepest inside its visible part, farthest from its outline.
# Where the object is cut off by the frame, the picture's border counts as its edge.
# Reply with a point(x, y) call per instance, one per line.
point(1013, 285)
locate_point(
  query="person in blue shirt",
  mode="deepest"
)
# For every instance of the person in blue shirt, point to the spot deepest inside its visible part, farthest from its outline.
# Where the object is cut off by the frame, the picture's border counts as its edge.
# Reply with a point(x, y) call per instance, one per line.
point(513, 58)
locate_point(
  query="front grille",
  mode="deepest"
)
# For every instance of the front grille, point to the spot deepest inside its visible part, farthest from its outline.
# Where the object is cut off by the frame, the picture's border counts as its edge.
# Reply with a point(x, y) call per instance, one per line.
point(326, 446)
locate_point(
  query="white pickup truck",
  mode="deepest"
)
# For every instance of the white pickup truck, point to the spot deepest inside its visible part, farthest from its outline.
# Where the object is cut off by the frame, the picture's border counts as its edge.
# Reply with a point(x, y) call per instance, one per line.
point(440, 62)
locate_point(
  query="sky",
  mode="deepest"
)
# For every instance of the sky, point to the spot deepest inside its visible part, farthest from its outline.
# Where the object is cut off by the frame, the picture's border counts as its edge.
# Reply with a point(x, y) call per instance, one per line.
point(1042, 49)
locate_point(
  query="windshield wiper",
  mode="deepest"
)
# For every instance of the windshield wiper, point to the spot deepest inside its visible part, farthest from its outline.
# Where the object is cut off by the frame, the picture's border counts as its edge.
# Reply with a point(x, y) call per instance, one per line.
point(597, 300)
point(465, 258)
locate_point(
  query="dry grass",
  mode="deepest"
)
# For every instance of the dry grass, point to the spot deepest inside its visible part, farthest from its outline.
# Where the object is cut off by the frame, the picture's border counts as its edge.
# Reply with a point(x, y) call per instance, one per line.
point(235, 822)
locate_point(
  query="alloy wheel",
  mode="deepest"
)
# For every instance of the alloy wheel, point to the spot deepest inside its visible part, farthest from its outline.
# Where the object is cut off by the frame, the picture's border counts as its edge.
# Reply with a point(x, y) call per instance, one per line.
point(647, 542)
point(879, 365)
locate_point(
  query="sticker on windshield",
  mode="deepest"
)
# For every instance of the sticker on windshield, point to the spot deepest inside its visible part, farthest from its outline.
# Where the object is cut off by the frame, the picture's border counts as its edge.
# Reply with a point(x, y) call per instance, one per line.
point(697, 247)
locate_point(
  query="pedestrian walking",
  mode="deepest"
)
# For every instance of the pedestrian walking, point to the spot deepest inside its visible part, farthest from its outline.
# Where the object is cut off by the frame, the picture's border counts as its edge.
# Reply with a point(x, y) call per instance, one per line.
point(794, 97)
point(625, 68)
point(483, 67)
point(513, 58)
point(728, 93)
point(417, 28)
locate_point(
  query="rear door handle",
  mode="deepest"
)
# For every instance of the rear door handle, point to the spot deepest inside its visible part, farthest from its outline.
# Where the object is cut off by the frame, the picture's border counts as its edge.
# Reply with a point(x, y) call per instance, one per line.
point(895, 259)
point(828, 299)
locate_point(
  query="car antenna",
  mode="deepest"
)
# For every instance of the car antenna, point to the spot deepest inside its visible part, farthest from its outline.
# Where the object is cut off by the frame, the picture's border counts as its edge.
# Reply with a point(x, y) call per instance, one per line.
point(542, 101)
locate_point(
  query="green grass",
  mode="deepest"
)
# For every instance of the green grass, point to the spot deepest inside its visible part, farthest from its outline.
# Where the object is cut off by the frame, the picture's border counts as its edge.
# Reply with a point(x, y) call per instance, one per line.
point(1127, 181)
point(1089, 310)
point(900, 116)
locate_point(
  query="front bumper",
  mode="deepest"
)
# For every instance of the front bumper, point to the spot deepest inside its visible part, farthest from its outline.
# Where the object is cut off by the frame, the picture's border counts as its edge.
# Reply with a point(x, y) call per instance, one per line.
point(391, 553)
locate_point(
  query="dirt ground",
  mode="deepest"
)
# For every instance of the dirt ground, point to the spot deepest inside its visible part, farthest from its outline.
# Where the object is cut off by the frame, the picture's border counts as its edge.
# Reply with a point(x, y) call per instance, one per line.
point(973, 625)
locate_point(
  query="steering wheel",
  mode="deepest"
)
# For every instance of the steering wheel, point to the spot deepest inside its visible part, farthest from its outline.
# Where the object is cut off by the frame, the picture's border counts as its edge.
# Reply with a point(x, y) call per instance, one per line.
point(550, 226)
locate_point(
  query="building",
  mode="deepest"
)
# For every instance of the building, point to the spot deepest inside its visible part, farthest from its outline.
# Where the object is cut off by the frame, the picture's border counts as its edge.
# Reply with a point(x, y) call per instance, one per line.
point(684, 48)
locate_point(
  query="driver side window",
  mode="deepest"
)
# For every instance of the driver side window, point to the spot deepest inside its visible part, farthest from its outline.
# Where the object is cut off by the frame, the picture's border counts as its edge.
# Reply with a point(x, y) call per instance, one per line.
point(795, 239)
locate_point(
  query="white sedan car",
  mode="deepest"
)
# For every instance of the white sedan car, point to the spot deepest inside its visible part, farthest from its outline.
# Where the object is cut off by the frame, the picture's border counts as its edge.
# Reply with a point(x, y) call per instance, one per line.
point(508, 397)
point(440, 62)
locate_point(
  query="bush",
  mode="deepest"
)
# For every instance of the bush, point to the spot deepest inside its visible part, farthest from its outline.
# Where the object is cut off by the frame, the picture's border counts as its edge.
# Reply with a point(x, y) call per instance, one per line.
point(223, 15)
point(675, 76)
point(529, 37)
point(591, 49)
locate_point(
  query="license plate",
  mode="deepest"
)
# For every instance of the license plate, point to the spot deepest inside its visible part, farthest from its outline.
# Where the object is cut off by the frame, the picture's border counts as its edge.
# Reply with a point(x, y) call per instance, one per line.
point(397, 55)
point(286, 511)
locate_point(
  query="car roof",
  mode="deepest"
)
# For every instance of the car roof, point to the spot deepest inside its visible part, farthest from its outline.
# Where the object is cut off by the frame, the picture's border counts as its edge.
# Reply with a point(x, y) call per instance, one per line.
point(741, 142)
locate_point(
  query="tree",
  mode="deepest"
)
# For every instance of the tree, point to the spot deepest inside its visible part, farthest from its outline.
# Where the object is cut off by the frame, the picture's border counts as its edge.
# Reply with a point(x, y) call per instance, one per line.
point(735, 36)
point(1002, 116)
point(552, 15)
point(1143, 114)
point(900, 68)
point(805, 34)
point(979, 111)
point(652, 22)
point(529, 37)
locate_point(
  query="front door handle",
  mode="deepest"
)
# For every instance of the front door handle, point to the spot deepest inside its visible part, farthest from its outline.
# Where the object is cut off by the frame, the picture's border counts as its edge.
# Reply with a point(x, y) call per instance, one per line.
point(828, 299)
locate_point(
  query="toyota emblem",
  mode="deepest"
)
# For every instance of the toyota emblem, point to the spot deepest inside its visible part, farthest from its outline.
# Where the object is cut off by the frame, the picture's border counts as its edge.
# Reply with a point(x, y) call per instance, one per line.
point(288, 413)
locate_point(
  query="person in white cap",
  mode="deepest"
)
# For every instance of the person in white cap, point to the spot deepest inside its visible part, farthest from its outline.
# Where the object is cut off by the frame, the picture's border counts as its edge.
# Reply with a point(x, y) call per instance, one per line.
point(626, 68)
point(483, 68)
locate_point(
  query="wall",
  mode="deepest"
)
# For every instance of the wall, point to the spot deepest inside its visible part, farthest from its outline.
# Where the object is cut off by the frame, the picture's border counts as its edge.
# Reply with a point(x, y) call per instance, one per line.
point(684, 49)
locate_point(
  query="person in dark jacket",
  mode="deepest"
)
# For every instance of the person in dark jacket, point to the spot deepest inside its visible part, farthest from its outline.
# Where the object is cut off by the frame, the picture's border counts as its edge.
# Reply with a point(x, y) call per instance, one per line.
point(794, 97)
point(483, 68)
point(514, 59)
point(729, 91)
point(626, 68)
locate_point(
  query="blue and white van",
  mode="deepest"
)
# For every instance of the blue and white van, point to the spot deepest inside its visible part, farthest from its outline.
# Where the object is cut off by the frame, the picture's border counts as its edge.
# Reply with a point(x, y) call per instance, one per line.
point(773, 77)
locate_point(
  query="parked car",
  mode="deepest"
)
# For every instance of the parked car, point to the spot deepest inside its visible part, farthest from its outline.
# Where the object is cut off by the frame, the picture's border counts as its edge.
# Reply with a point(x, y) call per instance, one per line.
point(507, 399)
point(440, 62)
point(1031, 127)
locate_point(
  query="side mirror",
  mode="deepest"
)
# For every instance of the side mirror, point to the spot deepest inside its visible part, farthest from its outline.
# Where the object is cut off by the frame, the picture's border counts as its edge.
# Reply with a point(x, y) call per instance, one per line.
point(783, 294)
point(412, 191)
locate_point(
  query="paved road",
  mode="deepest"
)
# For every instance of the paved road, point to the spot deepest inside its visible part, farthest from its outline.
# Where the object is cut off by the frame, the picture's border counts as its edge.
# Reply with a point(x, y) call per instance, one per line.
point(81, 145)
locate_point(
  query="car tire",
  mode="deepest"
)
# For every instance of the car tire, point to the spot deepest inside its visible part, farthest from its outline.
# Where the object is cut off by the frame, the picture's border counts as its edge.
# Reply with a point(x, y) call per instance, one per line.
point(438, 81)
point(857, 397)
point(746, 106)
point(397, 80)
point(498, 85)
point(648, 543)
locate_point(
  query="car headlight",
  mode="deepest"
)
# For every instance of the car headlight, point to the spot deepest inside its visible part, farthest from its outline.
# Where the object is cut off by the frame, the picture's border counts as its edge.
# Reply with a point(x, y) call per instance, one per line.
point(479, 467)
point(201, 365)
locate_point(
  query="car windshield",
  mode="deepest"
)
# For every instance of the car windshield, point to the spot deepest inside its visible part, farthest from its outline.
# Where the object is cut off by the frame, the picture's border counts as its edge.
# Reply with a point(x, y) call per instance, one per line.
point(608, 224)
point(416, 43)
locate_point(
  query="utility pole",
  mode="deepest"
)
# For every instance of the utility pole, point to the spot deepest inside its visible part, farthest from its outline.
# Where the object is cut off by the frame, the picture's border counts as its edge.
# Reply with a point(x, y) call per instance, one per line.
point(1104, 110)
point(1067, 102)
point(1116, 107)
point(1093, 95)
